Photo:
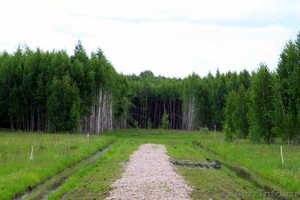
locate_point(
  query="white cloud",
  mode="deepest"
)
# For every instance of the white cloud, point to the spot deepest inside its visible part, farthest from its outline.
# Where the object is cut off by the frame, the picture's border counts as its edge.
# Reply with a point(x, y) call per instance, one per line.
point(158, 9)
point(163, 42)
point(177, 48)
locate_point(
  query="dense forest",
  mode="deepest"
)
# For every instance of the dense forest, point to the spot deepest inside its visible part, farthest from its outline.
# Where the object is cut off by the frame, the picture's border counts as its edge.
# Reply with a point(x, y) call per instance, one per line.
point(55, 92)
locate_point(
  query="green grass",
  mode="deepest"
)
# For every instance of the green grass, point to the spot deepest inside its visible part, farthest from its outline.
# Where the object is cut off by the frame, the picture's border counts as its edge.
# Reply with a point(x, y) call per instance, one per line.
point(54, 152)
point(51, 154)
point(264, 159)
point(95, 181)
point(206, 184)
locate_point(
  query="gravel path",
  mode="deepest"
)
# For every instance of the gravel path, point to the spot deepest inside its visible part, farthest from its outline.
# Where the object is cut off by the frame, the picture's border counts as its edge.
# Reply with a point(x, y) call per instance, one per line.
point(150, 175)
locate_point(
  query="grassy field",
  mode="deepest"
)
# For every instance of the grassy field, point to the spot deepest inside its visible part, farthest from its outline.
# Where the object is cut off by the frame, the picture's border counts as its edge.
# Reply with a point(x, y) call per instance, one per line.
point(94, 182)
point(264, 159)
point(51, 154)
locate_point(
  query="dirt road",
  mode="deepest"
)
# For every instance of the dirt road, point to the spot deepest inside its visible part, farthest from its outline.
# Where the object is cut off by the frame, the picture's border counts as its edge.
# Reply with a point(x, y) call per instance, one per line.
point(150, 175)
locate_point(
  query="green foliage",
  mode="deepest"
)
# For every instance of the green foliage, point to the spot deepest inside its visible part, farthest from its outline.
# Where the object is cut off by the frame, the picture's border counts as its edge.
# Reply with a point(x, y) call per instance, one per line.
point(164, 120)
point(51, 91)
point(236, 121)
point(229, 134)
point(229, 111)
point(286, 92)
point(149, 124)
point(219, 100)
point(261, 107)
point(281, 120)
point(136, 125)
point(239, 116)
point(63, 105)
point(203, 130)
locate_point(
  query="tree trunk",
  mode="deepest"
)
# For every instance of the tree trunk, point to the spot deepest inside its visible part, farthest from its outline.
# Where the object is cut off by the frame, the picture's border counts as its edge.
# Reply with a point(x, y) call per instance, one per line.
point(99, 110)
point(155, 114)
point(111, 116)
point(32, 119)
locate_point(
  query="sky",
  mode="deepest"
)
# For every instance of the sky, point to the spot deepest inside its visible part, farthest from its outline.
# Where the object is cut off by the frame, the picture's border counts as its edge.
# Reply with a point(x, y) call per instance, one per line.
point(170, 38)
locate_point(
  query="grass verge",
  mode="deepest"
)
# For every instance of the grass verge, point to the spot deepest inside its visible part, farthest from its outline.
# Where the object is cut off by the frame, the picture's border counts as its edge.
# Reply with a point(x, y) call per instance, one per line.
point(54, 152)
point(264, 159)
point(94, 182)
point(51, 154)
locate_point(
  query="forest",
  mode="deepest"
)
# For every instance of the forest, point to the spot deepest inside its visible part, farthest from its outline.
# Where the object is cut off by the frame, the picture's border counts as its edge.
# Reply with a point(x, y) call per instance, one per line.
point(54, 92)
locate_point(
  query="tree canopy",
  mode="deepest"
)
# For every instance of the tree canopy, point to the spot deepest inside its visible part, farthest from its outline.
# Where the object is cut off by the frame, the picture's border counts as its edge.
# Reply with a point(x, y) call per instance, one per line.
point(55, 92)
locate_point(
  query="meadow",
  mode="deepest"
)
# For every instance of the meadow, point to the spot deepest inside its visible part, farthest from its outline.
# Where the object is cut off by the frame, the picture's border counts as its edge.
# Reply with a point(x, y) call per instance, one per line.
point(94, 182)
point(264, 159)
point(51, 153)
point(54, 152)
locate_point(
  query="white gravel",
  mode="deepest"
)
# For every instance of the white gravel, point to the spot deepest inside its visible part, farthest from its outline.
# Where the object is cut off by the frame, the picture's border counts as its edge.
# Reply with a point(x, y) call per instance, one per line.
point(150, 175)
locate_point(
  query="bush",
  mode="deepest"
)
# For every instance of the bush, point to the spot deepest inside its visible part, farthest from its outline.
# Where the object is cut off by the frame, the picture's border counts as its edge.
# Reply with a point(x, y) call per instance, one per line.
point(136, 125)
point(228, 133)
point(164, 120)
point(203, 130)
point(149, 124)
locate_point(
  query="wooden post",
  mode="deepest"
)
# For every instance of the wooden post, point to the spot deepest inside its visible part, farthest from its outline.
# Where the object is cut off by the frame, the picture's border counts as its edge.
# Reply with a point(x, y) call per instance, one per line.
point(281, 154)
point(31, 156)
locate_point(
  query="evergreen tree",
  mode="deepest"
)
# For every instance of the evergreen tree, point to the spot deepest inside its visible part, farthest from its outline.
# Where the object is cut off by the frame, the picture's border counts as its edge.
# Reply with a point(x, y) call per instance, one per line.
point(219, 100)
point(229, 111)
point(288, 90)
point(261, 108)
point(239, 117)
point(245, 79)
point(63, 105)
point(7, 85)
point(282, 120)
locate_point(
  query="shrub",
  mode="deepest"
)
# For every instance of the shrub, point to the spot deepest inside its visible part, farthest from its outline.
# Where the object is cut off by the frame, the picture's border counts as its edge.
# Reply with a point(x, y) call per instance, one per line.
point(203, 130)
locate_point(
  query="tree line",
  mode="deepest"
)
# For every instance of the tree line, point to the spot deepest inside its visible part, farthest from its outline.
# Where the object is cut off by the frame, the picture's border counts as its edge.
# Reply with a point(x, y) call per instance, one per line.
point(54, 92)
point(261, 106)
point(190, 103)
point(270, 108)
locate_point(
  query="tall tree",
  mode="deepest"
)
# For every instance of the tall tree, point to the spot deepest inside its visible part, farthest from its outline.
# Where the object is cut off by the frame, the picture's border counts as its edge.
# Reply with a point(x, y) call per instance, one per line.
point(229, 111)
point(63, 105)
point(240, 121)
point(219, 100)
point(288, 89)
point(261, 105)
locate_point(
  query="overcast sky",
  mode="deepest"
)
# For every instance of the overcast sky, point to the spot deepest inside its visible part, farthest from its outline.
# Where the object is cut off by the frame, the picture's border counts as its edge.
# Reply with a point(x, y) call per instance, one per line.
point(171, 38)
